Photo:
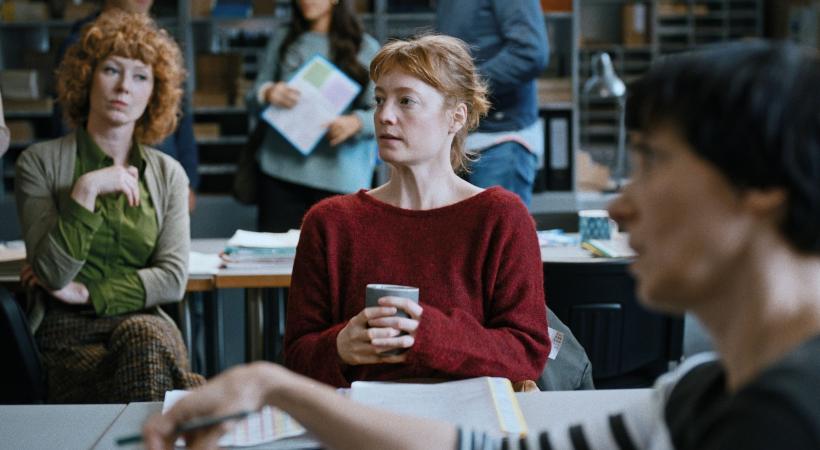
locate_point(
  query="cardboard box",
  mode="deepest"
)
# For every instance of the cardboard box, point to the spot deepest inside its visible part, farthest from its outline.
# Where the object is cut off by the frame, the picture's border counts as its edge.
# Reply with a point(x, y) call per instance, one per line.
point(556, 5)
point(208, 130)
point(218, 73)
point(201, 8)
point(20, 84)
point(635, 24)
point(210, 99)
point(21, 131)
point(40, 106)
point(670, 8)
point(554, 90)
point(264, 7)
point(76, 11)
point(23, 11)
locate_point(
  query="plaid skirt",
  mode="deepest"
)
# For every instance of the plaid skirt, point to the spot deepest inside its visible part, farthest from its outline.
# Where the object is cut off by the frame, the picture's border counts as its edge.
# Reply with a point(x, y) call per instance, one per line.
point(118, 359)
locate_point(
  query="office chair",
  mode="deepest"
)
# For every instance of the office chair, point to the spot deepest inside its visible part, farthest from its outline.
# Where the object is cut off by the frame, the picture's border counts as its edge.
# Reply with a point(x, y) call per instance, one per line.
point(22, 380)
point(628, 345)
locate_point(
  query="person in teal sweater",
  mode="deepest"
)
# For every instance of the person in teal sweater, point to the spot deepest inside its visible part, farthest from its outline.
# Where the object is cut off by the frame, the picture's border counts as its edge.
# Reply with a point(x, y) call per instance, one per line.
point(343, 161)
point(105, 220)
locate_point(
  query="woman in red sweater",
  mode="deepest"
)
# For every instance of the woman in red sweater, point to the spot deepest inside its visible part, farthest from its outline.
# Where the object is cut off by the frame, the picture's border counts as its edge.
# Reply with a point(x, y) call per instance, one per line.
point(473, 253)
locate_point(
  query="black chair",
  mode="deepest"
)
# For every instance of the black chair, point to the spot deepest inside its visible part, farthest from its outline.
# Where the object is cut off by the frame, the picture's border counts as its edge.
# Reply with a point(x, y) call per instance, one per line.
point(628, 345)
point(22, 379)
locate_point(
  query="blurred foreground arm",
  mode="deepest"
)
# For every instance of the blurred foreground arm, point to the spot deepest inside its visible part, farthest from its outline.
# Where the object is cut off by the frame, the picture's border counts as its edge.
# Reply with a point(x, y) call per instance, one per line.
point(338, 422)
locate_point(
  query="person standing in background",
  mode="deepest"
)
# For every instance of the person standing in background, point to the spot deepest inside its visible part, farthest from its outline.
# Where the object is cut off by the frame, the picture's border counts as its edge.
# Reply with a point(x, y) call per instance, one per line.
point(4, 131)
point(181, 144)
point(508, 39)
point(343, 161)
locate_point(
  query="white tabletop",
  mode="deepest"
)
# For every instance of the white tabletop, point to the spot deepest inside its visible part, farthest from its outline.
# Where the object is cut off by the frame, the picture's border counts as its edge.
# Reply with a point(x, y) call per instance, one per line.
point(542, 410)
point(132, 418)
point(48, 427)
point(559, 409)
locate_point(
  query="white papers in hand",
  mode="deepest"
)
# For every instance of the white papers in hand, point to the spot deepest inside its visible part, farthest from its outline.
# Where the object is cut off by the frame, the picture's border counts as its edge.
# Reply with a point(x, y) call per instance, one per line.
point(244, 238)
point(267, 425)
point(324, 92)
point(487, 403)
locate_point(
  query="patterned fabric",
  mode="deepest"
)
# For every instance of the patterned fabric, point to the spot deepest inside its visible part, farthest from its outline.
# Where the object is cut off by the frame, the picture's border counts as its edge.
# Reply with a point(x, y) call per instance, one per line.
point(119, 359)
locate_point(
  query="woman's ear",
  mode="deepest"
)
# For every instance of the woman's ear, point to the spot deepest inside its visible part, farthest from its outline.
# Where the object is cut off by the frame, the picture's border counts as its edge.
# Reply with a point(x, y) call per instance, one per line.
point(459, 118)
point(769, 202)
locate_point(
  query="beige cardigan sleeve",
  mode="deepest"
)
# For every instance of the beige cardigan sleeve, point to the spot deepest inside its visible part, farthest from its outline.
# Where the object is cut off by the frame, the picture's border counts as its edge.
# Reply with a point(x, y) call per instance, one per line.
point(166, 277)
point(5, 138)
point(37, 190)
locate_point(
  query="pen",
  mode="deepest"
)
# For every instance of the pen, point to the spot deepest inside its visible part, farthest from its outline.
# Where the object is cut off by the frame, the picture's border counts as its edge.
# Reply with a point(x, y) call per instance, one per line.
point(191, 425)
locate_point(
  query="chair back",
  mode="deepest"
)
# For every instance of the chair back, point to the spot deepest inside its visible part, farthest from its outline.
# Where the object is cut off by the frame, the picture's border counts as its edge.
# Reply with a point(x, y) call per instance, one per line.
point(22, 380)
point(628, 345)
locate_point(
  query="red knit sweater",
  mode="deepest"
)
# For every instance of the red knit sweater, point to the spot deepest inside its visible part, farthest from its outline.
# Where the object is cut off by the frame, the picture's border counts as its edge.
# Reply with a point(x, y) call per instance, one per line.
point(478, 268)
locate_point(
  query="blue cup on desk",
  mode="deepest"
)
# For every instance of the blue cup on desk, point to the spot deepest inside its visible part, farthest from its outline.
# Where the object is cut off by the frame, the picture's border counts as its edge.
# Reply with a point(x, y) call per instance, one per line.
point(596, 224)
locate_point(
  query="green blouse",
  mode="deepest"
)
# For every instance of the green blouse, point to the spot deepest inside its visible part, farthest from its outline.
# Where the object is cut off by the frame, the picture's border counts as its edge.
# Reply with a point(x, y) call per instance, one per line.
point(115, 240)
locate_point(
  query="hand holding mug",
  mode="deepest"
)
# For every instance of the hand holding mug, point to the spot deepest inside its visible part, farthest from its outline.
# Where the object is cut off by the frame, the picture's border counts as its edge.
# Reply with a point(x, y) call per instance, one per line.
point(354, 343)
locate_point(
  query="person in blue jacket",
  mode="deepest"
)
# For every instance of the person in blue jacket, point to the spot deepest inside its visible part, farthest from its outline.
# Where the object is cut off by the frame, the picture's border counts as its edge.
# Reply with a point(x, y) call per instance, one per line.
point(509, 43)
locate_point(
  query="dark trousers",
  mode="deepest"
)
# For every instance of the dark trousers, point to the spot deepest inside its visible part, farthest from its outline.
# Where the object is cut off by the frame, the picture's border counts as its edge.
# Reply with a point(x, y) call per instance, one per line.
point(282, 205)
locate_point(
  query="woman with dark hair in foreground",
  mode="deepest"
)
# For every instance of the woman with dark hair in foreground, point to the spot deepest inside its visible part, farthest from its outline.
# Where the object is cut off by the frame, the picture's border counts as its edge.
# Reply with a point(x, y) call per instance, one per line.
point(724, 213)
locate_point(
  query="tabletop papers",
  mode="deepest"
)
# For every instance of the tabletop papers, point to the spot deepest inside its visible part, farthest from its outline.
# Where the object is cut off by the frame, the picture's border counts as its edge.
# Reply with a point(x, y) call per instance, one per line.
point(267, 425)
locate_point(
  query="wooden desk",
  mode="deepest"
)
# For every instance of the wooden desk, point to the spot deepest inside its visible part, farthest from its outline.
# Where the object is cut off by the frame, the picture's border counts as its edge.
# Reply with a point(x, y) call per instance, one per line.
point(50, 427)
point(253, 282)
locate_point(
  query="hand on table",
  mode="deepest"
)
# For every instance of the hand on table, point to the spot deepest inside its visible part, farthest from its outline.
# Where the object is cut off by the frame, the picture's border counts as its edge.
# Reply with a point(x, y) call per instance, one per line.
point(73, 293)
point(375, 330)
point(342, 128)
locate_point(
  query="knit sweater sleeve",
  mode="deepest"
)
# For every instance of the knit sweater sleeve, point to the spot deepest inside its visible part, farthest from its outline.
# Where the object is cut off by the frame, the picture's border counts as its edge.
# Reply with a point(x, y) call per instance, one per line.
point(512, 339)
point(310, 337)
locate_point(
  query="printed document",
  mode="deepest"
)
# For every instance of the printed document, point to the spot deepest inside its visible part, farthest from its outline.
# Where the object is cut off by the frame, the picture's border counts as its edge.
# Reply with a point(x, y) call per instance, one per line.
point(269, 424)
point(324, 92)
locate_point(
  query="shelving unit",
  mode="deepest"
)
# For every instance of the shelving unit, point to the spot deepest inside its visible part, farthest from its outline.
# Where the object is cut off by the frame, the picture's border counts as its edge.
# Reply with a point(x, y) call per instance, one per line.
point(574, 39)
point(672, 26)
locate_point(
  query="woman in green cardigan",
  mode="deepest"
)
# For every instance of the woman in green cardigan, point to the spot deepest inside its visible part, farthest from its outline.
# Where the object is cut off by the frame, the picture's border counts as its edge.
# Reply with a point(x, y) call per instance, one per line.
point(105, 220)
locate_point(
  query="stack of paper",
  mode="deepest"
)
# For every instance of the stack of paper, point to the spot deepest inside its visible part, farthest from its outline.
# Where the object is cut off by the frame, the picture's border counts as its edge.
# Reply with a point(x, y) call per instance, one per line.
point(203, 263)
point(609, 248)
point(486, 404)
point(12, 257)
point(253, 250)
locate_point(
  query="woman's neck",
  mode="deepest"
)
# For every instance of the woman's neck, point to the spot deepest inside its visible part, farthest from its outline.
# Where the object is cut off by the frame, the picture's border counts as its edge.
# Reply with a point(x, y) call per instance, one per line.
point(113, 141)
point(321, 25)
point(765, 311)
point(422, 188)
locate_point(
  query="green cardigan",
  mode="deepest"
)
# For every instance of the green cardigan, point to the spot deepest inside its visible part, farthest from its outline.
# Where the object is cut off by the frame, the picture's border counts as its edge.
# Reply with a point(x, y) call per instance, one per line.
point(43, 183)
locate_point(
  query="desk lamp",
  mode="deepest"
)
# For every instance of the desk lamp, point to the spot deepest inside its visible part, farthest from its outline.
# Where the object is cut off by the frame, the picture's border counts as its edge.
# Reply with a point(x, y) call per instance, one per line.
point(604, 84)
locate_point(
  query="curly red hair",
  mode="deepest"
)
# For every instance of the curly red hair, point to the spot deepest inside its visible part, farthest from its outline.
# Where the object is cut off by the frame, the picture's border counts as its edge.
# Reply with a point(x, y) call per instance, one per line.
point(133, 36)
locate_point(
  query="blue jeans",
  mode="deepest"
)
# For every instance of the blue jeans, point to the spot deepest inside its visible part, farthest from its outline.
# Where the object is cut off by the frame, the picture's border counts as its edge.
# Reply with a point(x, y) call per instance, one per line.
point(508, 165)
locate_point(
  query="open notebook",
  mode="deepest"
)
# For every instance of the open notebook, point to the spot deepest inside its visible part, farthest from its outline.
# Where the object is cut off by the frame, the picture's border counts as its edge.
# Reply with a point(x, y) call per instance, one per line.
point(487, 403)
